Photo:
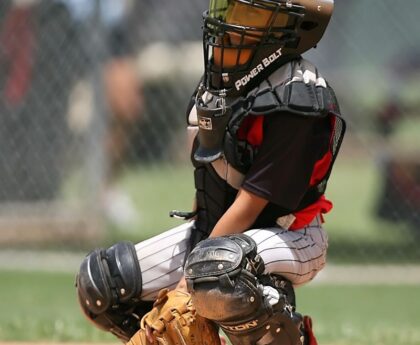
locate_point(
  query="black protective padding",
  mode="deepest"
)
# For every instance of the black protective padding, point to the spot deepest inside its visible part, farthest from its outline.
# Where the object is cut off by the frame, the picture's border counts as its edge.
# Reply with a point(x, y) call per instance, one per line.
point(109, 286)
point(225, 277)
point(109, 277)
point(212, 123)
point(92, 282)
point(213, 196)
point(213, 258)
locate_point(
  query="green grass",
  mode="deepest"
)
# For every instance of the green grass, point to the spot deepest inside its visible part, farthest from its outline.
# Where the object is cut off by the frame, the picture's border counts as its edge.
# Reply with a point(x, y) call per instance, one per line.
point(155, 191)
point(363, 315)
point(354, 188)
point(356, 233)
point(42, 307)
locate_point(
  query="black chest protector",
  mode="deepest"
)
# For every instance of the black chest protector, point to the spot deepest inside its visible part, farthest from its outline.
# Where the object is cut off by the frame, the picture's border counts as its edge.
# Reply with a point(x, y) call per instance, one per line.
point(295, 88)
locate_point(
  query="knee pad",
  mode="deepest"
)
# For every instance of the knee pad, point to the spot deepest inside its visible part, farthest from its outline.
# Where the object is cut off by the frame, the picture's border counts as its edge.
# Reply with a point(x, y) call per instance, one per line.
point(226, 279)
point(109, 285)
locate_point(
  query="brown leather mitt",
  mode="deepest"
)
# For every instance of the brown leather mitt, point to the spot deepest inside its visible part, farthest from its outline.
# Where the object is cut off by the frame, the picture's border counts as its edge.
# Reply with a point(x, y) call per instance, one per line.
point(173, 321)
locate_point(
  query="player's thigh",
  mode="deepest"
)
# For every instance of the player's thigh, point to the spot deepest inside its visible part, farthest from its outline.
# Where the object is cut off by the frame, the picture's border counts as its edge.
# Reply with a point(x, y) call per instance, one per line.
point(162, 258)
point(297, 255)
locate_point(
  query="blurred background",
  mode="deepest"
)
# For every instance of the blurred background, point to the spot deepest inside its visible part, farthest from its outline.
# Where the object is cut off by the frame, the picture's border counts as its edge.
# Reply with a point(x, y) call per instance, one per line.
point(93, 151)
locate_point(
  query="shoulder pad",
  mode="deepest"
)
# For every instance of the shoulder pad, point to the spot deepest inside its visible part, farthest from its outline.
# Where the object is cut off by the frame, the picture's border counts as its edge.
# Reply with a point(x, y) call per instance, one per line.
point(296, 87)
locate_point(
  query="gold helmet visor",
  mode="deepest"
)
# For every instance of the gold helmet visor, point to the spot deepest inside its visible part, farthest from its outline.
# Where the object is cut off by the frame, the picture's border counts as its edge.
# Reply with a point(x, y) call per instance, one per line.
point(246, 14)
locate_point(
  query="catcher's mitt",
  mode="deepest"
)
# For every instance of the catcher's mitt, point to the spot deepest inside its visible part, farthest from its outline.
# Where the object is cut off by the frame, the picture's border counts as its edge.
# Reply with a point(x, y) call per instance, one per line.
point(173, 321)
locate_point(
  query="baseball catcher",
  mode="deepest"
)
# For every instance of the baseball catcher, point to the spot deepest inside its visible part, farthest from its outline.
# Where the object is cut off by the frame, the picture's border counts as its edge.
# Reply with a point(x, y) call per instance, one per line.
point(266, 129)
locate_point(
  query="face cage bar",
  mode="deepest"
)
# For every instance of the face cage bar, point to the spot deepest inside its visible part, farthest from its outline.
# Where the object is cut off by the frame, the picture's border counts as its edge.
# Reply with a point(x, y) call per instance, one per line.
point(215, 30)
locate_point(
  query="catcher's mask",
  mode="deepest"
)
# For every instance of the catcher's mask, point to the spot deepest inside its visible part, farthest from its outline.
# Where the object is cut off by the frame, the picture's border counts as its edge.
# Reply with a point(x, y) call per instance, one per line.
point(246, 38)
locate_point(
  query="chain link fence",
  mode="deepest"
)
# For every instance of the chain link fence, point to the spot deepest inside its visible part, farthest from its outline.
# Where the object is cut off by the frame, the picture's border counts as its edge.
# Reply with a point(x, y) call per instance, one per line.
point(93, 97)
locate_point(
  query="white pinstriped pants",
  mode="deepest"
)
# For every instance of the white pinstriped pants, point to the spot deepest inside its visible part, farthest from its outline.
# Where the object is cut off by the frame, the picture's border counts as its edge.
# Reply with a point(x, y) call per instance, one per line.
point(296, 255)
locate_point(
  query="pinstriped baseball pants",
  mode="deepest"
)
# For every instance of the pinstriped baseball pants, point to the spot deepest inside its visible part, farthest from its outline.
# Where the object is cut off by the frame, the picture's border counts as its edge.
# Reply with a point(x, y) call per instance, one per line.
point(296, 255)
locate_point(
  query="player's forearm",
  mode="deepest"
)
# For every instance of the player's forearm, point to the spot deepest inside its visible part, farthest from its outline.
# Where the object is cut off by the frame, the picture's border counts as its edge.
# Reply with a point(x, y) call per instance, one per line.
point(182, 285)
point(231, 224)
point(238, 218)
point(241, 215)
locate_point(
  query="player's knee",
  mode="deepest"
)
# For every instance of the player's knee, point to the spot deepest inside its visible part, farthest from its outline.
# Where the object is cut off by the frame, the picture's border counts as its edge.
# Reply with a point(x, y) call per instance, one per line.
point(225, 278)
point(109, 285)
point(109, 276)
point(216, 279)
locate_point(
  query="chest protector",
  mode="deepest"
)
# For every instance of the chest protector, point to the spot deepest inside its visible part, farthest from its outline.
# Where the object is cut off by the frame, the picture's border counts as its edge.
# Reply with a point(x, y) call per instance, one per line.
point(295, 88)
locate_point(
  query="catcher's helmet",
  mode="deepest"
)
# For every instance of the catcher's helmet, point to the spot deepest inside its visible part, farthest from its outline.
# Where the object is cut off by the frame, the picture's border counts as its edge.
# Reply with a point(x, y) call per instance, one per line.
point(246, 38)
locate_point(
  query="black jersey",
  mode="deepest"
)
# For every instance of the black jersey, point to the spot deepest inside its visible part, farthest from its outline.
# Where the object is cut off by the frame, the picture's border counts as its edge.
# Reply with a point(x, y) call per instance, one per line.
point(290, 147)
point(283, 137)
